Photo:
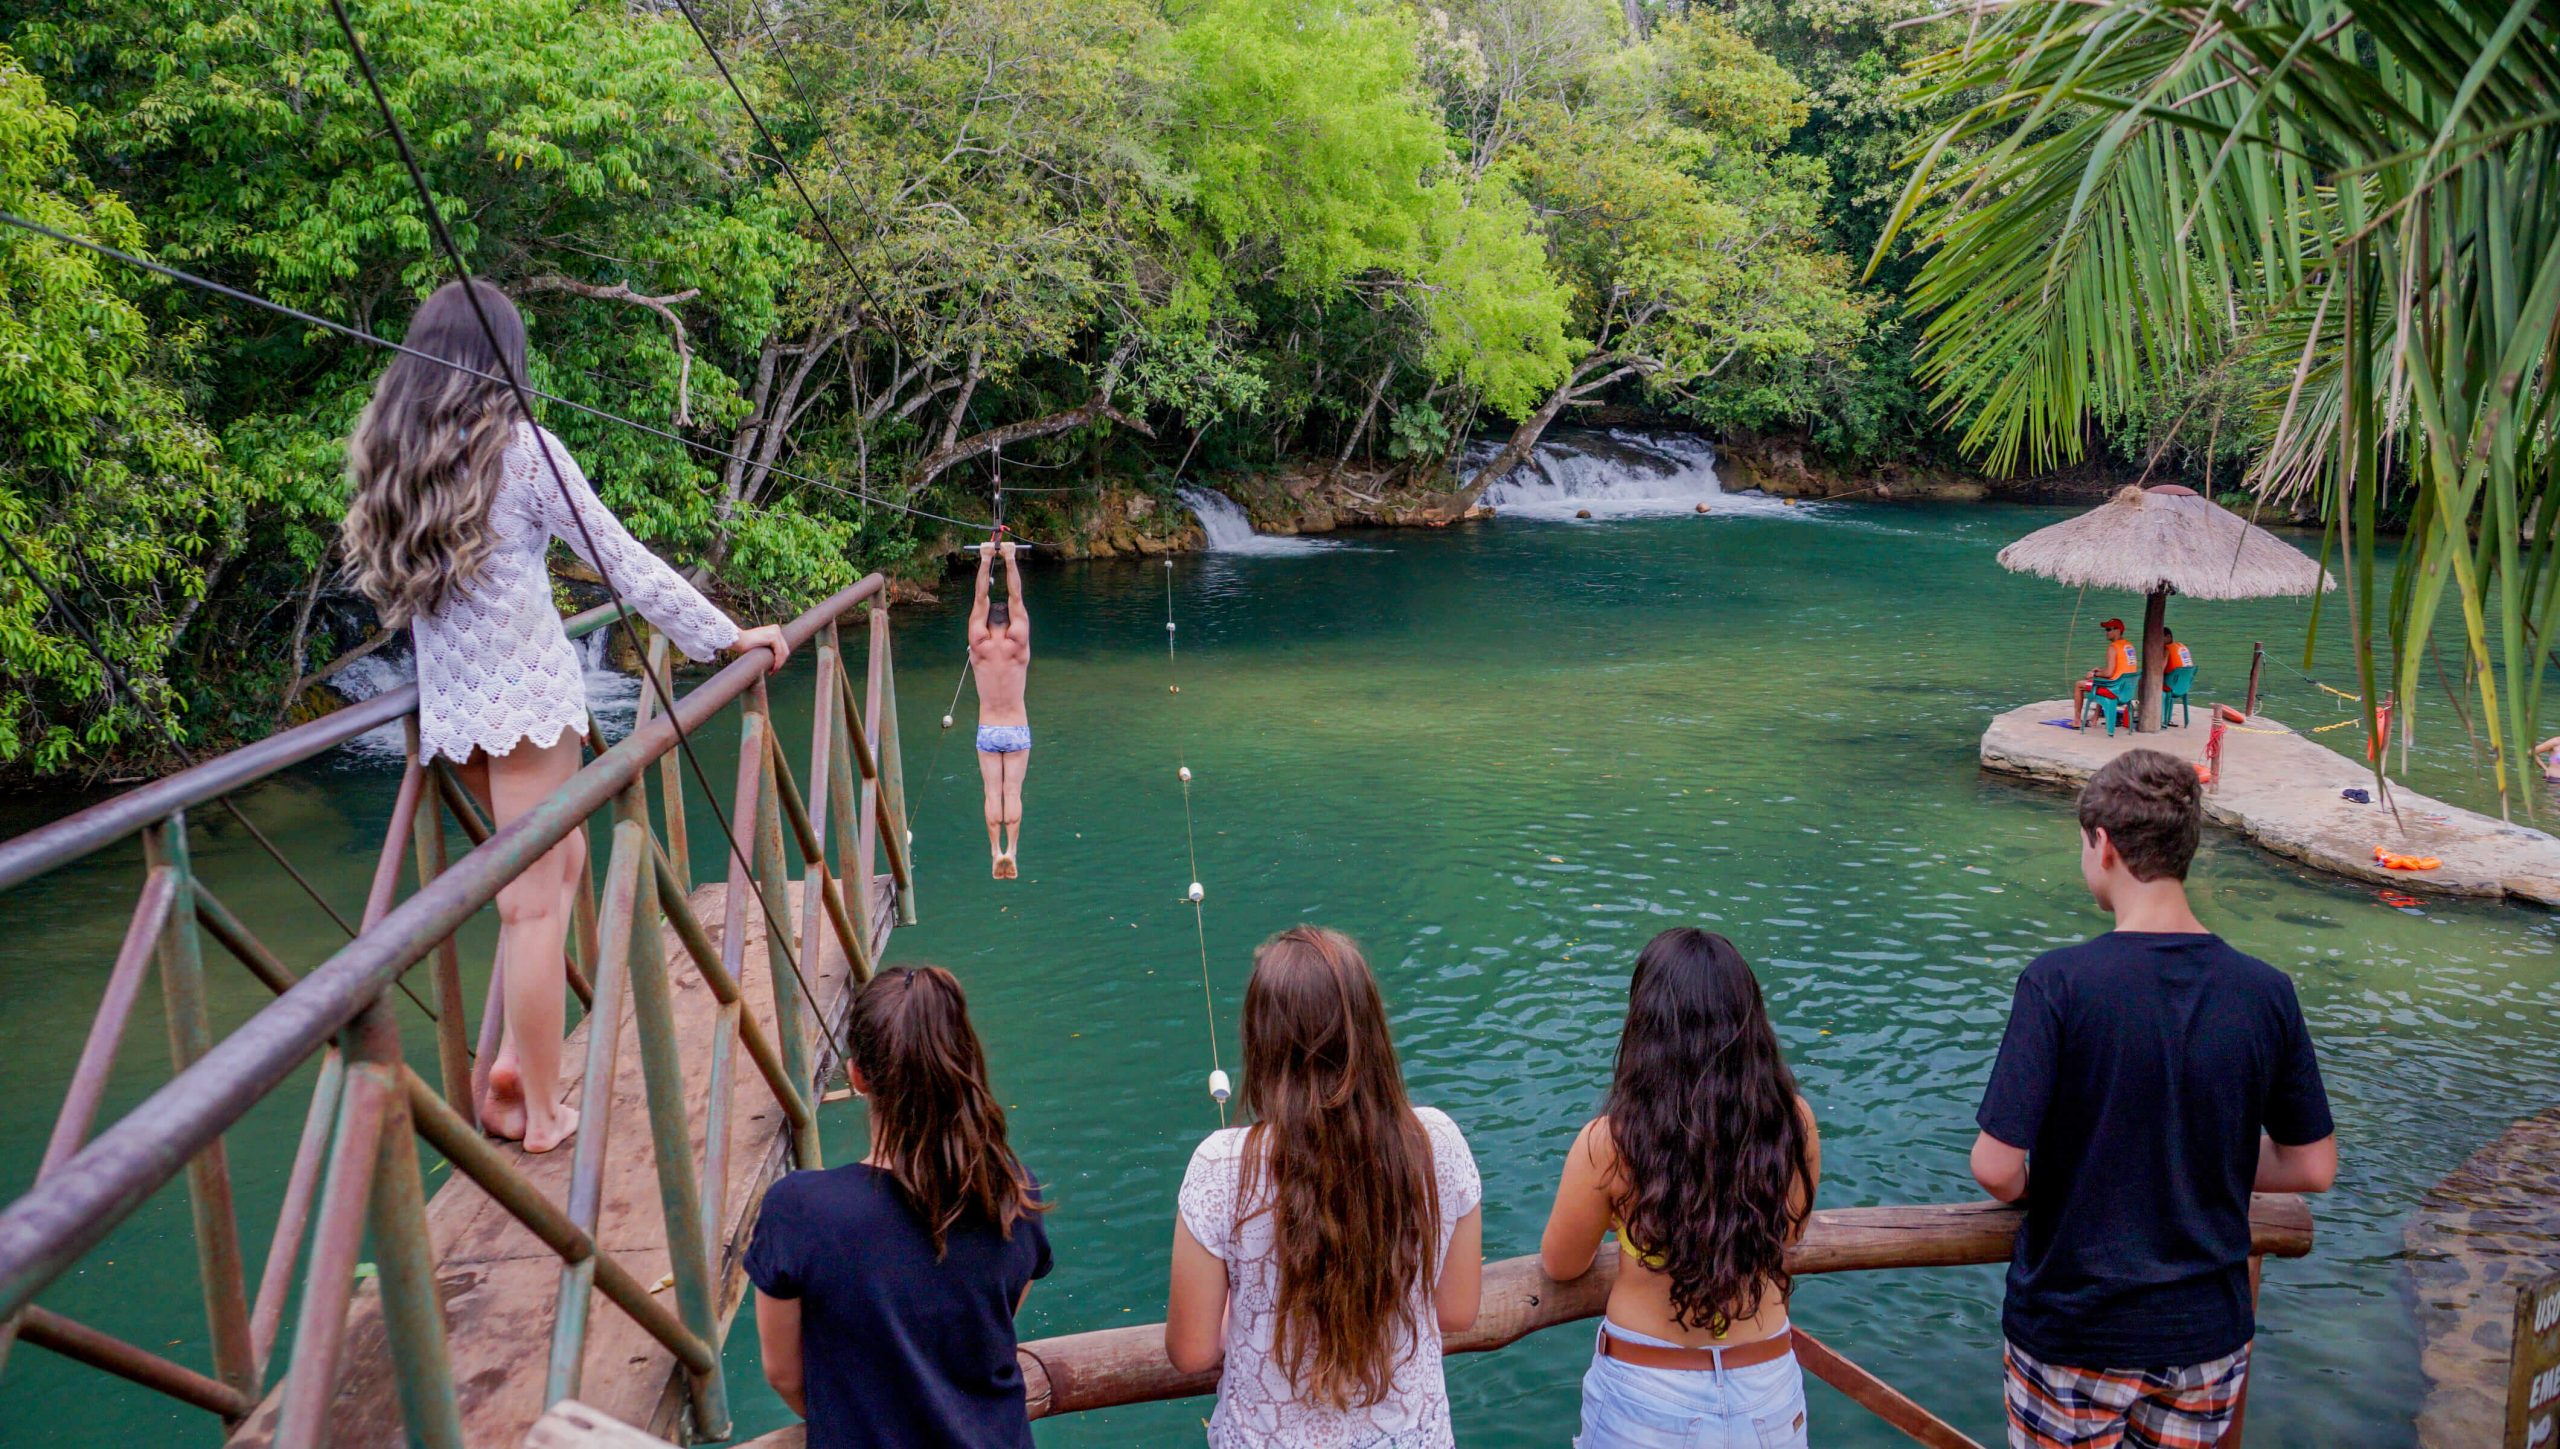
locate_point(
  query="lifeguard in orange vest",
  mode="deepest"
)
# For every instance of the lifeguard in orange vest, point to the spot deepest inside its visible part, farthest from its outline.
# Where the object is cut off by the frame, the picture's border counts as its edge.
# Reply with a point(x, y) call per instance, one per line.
point(2180, 656)
point(2121, 661)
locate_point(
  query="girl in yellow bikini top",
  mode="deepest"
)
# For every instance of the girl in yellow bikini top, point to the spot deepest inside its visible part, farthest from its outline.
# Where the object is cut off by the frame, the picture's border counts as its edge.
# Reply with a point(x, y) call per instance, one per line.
point(1705, 1161)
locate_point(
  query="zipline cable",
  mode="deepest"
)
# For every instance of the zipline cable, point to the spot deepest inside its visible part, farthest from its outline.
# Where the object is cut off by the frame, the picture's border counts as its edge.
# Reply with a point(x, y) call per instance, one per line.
point(117, 678)
point(776, 937)
point(1218, 1086)
point(852, 272)
point(357, 334)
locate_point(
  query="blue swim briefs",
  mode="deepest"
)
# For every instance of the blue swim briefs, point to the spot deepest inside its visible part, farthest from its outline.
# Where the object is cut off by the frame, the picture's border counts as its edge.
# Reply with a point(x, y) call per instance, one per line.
point(1003, 739)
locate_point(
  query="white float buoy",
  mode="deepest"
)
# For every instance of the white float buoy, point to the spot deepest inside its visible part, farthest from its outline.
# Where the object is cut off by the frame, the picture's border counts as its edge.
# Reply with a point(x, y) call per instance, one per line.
point(1168, 626)
point(946, 721)
point(1197, 894)
point(1219, 1091)
point(1185, 773)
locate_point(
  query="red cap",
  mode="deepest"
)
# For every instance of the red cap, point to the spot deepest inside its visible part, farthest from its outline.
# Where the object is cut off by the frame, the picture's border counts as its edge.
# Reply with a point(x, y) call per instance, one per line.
point(2111, 624)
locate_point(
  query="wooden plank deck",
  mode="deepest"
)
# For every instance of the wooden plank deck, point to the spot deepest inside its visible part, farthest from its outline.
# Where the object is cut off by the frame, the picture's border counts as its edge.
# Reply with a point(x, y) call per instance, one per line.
point(500, 1285)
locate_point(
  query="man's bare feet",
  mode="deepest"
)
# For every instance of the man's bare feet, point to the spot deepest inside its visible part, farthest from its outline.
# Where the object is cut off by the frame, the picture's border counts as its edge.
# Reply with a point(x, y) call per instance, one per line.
point(544, 1136)
point(995, 867)
point(502, 1106)
point(1005, 868)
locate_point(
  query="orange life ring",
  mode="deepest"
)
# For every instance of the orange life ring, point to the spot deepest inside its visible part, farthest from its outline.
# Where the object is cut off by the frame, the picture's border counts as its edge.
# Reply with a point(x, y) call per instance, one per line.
point(2232, 715)
point(2392, 861)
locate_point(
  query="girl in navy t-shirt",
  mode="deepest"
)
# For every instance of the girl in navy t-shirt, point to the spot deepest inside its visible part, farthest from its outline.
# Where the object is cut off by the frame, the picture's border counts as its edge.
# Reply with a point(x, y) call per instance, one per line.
point(886, 1289)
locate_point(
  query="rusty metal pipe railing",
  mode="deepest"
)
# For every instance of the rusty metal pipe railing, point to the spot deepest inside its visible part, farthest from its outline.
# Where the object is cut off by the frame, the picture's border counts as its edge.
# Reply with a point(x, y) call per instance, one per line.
point(823, 896)
point(85, 832)
point(706, 961)
point(79, 1342)
point(44, 1232)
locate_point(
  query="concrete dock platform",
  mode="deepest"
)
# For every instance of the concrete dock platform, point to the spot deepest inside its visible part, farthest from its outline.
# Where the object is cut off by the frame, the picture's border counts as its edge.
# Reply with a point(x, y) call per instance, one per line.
point(2282, 790)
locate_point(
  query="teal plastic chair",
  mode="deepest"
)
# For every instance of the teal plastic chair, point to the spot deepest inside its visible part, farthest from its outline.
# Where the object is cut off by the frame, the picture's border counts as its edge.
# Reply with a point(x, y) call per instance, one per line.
point(2114, 699)
point(2173, 694)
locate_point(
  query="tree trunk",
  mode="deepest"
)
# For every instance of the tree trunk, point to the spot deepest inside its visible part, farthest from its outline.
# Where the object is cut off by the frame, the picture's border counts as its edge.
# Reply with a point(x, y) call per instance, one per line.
point(2155, 659)
point(1368, 414)
point(1095, 409)
point(1635, 18)
point(1524, 441)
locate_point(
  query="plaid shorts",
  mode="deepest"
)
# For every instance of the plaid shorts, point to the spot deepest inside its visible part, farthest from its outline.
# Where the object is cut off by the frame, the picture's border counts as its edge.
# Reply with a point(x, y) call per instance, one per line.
point(2055, 1407)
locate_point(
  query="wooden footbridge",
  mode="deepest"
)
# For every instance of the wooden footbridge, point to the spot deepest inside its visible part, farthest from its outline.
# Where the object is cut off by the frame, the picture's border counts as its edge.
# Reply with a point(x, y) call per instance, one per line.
point(483, 1306)
point(582, 1297)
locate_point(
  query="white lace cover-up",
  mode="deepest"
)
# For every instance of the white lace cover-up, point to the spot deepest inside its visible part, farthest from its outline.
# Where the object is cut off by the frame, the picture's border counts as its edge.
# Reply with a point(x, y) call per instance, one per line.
point(494, 665)
point(1257, 1406)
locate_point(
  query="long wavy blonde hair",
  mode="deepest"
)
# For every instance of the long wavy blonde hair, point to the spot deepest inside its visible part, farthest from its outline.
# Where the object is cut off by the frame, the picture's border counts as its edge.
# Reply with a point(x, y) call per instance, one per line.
point(428, 455)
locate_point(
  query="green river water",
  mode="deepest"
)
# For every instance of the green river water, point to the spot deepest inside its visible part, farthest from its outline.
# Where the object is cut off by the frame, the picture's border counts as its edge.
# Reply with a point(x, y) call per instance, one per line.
point(1501, 756)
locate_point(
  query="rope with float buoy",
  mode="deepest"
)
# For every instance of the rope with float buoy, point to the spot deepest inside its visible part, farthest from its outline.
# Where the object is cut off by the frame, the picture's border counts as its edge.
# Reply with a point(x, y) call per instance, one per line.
point(1219, 1087)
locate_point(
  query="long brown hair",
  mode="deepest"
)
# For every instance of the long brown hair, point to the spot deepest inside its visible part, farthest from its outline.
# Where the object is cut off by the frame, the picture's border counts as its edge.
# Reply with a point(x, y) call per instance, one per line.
point(935, 1126)
point(1715, 1165)
point(1338, 1159)
point(429, 452)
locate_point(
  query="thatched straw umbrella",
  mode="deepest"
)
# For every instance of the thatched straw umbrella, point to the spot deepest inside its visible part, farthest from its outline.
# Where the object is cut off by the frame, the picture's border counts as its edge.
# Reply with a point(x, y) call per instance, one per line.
point(2163, 541)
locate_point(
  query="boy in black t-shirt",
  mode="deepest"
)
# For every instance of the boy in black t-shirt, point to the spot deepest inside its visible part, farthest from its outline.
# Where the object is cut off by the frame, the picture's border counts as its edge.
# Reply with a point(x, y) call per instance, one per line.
point(2152, 1078)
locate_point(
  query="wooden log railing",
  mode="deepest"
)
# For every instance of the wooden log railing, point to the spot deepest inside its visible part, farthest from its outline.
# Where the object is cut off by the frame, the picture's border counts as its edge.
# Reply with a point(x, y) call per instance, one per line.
point(1111, 1367)
point(356, 1171)
point(1115, 1367)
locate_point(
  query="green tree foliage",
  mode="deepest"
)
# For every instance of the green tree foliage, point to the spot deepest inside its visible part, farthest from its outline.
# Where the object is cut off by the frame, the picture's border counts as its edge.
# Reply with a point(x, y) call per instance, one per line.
point(109, 487)
point(1689, 242)
point(1035, 232)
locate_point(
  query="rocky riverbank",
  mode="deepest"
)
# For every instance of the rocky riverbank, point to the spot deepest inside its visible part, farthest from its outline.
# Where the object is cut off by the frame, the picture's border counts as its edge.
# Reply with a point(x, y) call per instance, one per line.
point(1122, 519)
point(1133, 519)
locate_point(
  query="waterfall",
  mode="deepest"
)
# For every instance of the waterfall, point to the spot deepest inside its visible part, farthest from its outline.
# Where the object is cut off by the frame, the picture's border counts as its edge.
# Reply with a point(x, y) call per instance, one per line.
point(1614, 472)
point(1230, 531)
point(612, 696)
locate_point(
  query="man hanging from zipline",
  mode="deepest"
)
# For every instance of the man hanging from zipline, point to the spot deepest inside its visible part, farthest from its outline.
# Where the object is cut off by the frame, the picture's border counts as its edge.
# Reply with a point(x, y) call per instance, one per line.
point(1000, 655)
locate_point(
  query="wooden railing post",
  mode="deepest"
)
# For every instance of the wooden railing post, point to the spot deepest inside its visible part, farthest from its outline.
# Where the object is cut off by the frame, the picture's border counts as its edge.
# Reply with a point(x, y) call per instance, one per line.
point(150, 919)
point(217, 1225)
point(595, 1093)
point(845, 800)
point(815, 886)
point(671, 1136)
point(661, 668)
point(453, 1046)
point(330, 1282)
point(275, 1280)
point(791, 1011)
point(403, 1248)
point(893, 776)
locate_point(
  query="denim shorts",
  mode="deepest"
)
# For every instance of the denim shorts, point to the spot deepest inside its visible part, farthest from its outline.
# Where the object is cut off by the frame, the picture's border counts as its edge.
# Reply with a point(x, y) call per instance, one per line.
point(1627, 1407)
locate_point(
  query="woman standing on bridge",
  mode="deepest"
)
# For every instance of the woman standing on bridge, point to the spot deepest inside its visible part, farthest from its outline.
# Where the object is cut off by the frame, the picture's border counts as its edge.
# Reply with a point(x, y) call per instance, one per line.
point(1705, 1162)
point(456, 500)
point(1322, 1251)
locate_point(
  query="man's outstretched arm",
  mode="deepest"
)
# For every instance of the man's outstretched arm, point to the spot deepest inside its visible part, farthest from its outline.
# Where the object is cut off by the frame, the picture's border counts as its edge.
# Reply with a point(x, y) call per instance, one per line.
point(978, 608)
point(1017, 613)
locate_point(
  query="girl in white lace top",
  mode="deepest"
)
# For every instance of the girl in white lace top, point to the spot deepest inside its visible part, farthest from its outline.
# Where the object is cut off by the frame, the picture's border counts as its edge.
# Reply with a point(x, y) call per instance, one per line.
point(449, 531)
point(1321, 1251)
